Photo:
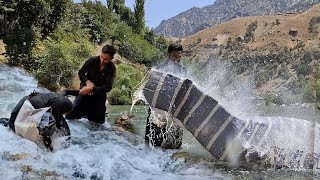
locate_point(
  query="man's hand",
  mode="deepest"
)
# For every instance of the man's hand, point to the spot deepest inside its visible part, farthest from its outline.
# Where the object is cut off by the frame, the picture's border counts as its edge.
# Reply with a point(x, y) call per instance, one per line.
point(86, 91)
point(89, 84)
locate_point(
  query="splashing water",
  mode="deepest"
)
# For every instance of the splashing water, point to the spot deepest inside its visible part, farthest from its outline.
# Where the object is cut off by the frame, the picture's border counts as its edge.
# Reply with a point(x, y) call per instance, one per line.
point(92, 152)
point(225, 88)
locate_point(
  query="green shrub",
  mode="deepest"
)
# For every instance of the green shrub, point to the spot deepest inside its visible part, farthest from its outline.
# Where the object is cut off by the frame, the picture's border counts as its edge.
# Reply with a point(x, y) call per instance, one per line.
point(303, 68)
point(313, 26)
point(134, 46)
point(283, 72)
point(311, 91)
point(127, 79)
point(249, 36)
point(270, 98)
point(308, 93)
point(61, 61)
point(284, 56)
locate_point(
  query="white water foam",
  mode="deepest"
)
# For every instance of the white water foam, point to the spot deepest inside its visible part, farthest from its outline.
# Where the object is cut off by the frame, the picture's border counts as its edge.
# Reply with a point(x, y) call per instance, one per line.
point(93, 152)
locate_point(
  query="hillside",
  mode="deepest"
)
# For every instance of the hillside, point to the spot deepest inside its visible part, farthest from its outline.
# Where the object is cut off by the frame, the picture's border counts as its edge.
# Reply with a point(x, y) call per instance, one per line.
point(196, 19)
point(268, 33)
point(279, 52)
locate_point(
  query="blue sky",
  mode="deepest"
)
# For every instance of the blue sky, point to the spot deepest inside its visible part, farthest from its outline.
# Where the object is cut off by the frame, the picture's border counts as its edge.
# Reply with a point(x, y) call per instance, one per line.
point(158, 10)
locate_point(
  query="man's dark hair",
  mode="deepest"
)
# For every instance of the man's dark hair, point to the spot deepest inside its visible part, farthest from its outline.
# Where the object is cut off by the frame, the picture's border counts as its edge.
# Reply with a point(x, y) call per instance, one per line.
point(174, 47)
point(109, 49)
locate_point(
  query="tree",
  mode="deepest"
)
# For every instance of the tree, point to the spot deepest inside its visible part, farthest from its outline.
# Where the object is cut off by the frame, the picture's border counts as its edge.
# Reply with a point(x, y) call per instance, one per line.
point(139, 16)
point(249, 36)
point(110, 5)
point(23, 23)
point(98, 20)
point(125, 13)
point(150, 36)
point(56, 10)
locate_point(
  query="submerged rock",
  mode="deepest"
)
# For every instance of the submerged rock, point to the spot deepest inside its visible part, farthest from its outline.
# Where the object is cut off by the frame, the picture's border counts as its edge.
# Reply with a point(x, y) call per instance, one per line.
point(28, 172)
point(14, 157)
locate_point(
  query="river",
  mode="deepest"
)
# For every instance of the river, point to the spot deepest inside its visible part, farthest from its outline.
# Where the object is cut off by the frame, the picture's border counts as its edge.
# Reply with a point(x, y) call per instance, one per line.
point(109, 152)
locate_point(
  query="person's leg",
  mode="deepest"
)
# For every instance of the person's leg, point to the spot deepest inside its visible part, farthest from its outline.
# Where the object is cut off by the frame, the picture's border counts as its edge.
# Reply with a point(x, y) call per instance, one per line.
point(98, 117)
point(78, 109)
point(96, 109)
point(68, 92)
point(96, 113)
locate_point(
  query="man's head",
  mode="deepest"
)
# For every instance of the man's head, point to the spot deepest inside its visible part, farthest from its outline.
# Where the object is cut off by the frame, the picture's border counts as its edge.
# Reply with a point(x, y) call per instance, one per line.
point(175, 51)
point(107, 53)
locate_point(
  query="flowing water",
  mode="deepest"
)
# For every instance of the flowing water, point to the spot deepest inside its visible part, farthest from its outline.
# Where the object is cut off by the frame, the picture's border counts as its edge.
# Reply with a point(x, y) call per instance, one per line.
point(108, 151)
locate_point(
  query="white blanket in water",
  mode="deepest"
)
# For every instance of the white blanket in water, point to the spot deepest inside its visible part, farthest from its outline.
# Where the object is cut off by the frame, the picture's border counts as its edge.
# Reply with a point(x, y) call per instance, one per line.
point(27, 120)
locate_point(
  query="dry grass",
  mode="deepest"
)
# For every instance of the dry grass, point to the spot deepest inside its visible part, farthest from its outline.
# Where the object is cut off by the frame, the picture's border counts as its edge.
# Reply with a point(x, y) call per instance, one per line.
point(269, 37)
point(267, 32)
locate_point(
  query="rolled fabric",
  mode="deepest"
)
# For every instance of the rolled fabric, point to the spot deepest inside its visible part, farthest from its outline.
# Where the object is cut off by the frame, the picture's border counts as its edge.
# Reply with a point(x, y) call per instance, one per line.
point(277, 141)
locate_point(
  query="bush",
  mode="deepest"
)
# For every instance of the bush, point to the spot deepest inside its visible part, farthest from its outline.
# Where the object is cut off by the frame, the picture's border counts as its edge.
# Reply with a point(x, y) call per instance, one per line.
point(303, 69)
point(249, 36)
point(134, 47)
point(283, 72)
point(311, 91)
point(308, 93)
point(127, 79)
point(270, 98)
point(284, 56)
point(313, 26)
point(60, 62)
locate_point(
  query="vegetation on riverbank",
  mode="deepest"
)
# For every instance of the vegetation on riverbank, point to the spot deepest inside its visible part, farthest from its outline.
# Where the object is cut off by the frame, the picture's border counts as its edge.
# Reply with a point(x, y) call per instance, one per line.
point(51, 39)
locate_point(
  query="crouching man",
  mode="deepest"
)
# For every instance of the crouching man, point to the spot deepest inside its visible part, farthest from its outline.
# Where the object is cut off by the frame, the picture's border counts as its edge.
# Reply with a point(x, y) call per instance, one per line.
point(39, 115)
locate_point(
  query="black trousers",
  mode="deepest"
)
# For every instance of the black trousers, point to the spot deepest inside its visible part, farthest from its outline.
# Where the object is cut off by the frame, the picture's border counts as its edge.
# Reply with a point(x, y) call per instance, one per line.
point(93, 107)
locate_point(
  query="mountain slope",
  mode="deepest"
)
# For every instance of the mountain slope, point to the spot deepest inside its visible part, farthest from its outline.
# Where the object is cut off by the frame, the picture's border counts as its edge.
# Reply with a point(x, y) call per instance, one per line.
point(281, 54)
point(196, 19)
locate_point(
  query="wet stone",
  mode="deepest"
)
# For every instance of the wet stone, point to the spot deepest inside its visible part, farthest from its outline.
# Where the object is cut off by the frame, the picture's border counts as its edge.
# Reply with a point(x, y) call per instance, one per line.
point(14, 157)
point(28, 172)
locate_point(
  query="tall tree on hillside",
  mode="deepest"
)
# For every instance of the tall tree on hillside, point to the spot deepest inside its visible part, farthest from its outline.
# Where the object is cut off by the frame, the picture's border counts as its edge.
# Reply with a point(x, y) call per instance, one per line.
point(150, 36)
point(125, 13)
point(139, 26)
point(117, 5)
point(98, 20)
point(56, 10)
point(110, 5)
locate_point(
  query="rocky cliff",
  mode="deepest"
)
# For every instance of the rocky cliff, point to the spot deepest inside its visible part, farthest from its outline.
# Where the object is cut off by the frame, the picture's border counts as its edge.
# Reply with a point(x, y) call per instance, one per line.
point(196, 19)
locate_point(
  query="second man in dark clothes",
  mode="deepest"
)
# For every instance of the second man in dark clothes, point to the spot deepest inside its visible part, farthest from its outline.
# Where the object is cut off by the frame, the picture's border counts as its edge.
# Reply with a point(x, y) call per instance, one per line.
point(96, 76)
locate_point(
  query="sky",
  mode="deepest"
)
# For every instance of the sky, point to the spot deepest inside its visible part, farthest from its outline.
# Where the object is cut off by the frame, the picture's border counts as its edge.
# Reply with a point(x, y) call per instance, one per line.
point(158, 10)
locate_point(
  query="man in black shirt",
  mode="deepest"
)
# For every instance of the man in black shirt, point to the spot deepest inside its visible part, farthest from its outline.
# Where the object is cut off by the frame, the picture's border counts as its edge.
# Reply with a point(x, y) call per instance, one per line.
point(96, 76)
